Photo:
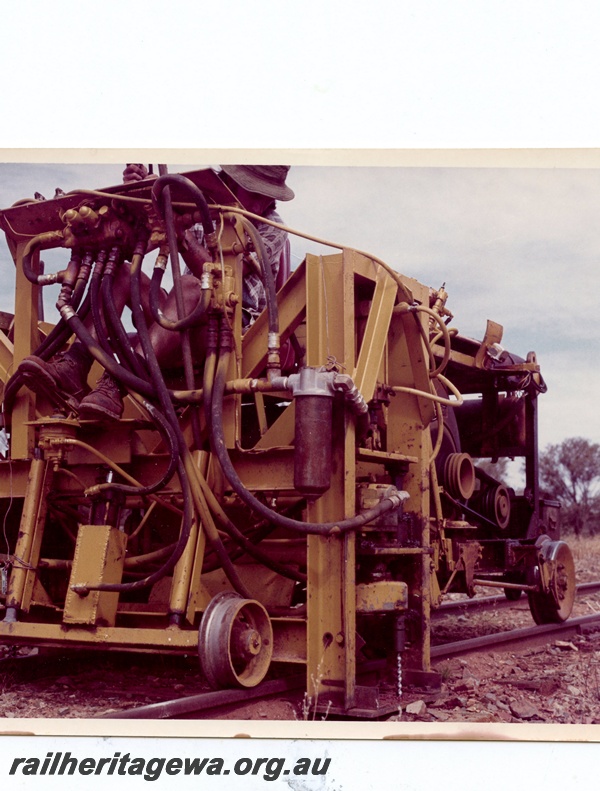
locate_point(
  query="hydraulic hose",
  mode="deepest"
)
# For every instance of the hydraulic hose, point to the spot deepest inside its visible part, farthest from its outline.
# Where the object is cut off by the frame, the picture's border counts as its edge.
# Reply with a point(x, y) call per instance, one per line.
point(120, 338)
point(267, 272)
point(97, 313)
point(42, 241)
point(60, 333)
point(116, 370)
point(184, 454)
point(161, 200)
point(166, 430)
point(191, 320)
point(219, 448)
point(274, 341)
point(71, 275)
point(119, 372)
point(175, 179)
point(157, 382)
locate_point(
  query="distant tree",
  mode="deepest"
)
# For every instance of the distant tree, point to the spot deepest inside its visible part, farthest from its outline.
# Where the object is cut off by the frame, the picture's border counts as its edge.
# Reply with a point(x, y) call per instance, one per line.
point(570, 472)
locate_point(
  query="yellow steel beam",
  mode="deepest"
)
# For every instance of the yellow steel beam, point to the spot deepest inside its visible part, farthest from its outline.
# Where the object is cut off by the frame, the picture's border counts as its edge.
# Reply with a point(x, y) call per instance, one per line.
point(115, 637)
point(6, 357)
point(13, 478)
point(26, 323)
point(366, 373)
point(408, 417)
point(289, 637)
point(331, 651)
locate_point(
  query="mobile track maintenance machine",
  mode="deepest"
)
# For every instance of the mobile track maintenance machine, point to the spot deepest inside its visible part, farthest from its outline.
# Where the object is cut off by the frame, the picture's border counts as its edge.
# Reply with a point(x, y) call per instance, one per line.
point(304, 492)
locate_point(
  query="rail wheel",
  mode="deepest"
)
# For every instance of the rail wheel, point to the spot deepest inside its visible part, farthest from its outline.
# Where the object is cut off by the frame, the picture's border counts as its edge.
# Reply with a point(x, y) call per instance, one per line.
point(554, 604)
point(235, 641)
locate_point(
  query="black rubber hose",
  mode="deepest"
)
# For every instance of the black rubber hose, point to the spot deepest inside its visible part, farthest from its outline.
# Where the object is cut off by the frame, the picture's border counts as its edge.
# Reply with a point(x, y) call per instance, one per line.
point(191, 320)
point(154, 295)
point(230, 528)
point(60, 333)
point(267, 272)
point(166, 430)
point(219, 448)
point(176, 180)
point(163, 396)
point(157, 381)
point(116, 370)
point(120, 338)
point(98, 276)
point(161, 200)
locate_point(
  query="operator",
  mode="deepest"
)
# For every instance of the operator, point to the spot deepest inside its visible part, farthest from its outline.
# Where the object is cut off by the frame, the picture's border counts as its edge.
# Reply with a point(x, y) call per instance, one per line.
point(257, 188)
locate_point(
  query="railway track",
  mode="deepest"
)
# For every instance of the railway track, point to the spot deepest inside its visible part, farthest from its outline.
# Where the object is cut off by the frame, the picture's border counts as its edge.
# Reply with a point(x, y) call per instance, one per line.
point(489, 602)
point(210, 705)
point(207, 705)
point(527, 637)
point(207, 702)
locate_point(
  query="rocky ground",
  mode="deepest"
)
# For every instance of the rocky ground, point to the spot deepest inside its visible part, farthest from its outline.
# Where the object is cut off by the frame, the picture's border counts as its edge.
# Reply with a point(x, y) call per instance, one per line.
point(558, 683)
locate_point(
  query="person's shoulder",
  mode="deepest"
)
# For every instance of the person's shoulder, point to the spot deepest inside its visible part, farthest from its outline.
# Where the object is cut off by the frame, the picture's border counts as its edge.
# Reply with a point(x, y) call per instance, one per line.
point(273, 216)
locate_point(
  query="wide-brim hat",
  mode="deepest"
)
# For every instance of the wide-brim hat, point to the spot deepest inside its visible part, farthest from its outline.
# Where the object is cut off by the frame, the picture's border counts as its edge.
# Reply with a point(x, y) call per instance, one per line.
point(266, 180)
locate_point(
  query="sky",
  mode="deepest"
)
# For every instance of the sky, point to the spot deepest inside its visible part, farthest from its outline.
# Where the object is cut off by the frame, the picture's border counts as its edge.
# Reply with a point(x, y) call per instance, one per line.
point(520, 246)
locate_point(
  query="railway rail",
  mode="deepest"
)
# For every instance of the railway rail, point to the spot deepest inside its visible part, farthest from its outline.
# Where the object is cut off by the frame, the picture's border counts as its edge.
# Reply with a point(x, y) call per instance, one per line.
point(209, 704)
point(200, 704)
point(488, 602)
point(521, 638)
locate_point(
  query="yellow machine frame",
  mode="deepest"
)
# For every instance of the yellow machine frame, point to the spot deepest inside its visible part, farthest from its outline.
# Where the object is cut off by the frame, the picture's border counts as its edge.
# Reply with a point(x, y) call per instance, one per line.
point(352, 316)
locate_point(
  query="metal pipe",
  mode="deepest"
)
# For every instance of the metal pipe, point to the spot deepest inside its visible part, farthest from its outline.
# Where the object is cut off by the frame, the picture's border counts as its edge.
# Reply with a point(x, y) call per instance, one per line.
point(27, 529)
point(506, 585)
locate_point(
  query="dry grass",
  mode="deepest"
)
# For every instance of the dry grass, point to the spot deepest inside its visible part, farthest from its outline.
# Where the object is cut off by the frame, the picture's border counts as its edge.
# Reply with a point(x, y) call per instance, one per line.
point(586, 552)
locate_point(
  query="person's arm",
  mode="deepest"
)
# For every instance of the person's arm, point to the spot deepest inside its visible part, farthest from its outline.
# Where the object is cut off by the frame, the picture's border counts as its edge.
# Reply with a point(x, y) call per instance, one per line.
point(135, 173)
point(193, 252)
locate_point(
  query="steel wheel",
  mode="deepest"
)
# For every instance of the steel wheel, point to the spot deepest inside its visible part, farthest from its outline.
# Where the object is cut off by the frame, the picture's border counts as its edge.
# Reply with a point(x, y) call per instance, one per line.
point(235, 641)
point(554, 605)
